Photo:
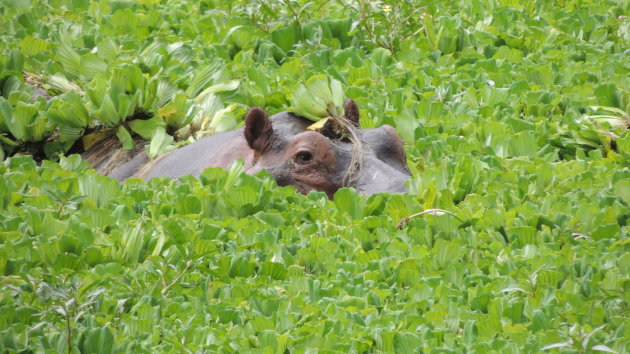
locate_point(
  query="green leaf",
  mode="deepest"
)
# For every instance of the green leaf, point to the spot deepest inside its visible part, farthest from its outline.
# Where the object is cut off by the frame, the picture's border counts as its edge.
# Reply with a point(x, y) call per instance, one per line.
point(274, 270)
point(406, 342)
point(622, 189)
point(98, 189)
point(24, 124)
point(235, 170)
point(73, 163)
point(240, 267)
point(60, 83)
point(92, 65)
point(125, 138)
point(147, 128)
point(221, 87)
point(132, 242)
point(623, 144)
point(107, 112)
point(97, 90)
point(239, 198)
point(69, 111)
point(68, 135)
point(107, 49)
point(32, 46)
point(603, 348)
point(510, 54)
point(349, 201)
point(179, 112)
point(11, 84)
point(382, 57)
point(160, 144)
point(38, 130)
point(607, 95)
point(318, 98)
point(285, 37)
point(97, 340)
point(524, 144)
point(385, 342)
point(126, 105)
point(69, 60)
point(6, 114)
point(202, 77)
point(539, 321)
point(165, 92)
point(221, 121)
point(523, 235)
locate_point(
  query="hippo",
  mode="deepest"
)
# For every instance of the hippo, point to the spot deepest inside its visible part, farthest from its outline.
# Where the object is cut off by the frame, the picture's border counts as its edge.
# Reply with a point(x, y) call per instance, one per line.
point(295, 156)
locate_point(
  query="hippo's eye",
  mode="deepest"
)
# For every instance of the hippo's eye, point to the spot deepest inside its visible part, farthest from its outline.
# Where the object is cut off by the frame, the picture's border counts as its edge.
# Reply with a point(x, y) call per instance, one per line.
point(303, 157)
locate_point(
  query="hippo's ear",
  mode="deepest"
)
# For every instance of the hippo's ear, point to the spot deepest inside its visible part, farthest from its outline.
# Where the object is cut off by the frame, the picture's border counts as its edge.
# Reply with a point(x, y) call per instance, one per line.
point(258, 130)
point(351, 111)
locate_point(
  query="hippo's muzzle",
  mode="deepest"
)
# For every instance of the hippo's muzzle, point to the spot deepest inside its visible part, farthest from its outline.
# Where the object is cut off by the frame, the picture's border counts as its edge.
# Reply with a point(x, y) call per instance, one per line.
point(380, 177)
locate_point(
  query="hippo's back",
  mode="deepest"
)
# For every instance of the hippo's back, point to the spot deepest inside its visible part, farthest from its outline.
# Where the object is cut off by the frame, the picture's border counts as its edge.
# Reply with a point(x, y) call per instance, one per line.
point(218, 150)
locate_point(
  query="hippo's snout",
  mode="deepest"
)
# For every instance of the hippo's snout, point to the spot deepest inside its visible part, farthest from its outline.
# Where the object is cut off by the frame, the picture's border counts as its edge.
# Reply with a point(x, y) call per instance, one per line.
point(380, 177)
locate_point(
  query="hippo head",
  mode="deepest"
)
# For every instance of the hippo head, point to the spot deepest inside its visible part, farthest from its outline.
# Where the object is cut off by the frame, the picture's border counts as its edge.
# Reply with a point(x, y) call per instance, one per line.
point(309, 160)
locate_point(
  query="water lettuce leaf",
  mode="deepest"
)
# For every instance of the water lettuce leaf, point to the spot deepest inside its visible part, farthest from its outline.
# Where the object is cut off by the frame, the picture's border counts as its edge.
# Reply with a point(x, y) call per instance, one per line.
point(319, 97)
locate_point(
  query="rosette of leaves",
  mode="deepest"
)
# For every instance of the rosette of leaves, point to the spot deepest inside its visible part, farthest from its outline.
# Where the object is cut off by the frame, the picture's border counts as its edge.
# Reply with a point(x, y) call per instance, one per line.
point(22, 122)
point(611, 120)
point(213, 115)
point(319, 99)
point(128, 100)
point(71, 116)
point(117, 98)
point(211, 91)
point(599, 128)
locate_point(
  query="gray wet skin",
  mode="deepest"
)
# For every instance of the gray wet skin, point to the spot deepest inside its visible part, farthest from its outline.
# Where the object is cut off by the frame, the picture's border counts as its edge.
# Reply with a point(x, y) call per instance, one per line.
point(294, 156)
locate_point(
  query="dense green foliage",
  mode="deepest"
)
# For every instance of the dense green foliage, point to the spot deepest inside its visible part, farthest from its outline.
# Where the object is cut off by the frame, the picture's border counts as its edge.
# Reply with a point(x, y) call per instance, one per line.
point(515, 115)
